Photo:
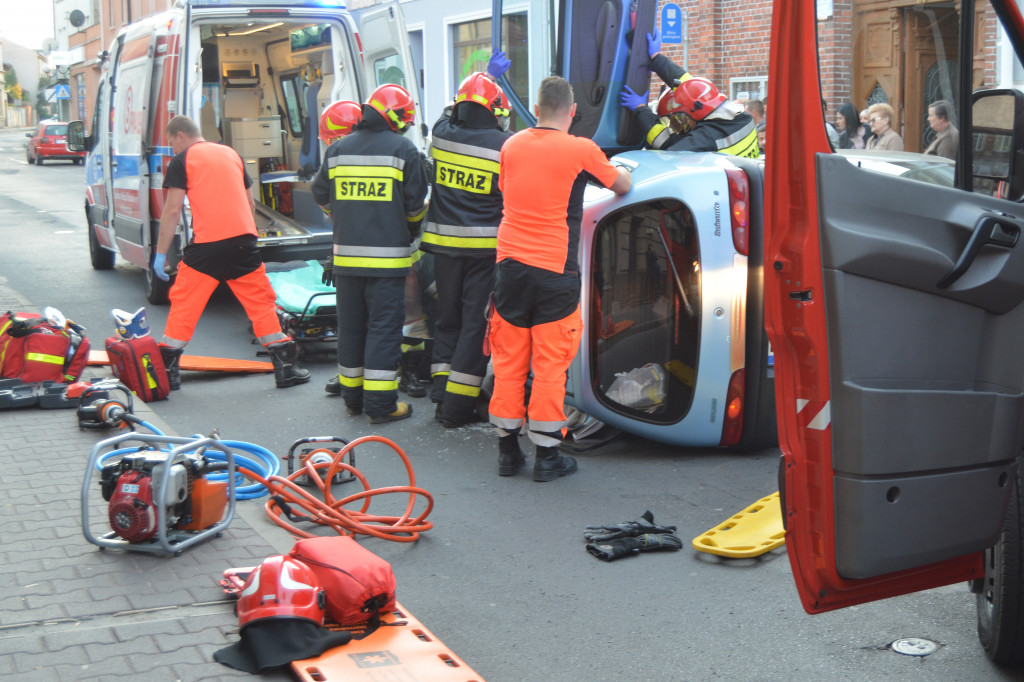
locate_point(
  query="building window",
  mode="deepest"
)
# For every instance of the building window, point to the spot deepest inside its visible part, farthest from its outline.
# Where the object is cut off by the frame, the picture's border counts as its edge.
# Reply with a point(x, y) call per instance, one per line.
point(80, 88)
point(747, 89)
point(471, 50)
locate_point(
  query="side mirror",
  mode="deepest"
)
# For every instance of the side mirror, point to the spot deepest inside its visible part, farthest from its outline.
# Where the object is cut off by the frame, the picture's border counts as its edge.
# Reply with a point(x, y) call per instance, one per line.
point(76, 137)
point(998, 137)
point(28, 134)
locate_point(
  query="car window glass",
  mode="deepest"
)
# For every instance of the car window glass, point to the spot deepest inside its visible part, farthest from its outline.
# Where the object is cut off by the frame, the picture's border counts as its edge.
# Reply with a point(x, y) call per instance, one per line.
point(56, 130)
point(646, 356)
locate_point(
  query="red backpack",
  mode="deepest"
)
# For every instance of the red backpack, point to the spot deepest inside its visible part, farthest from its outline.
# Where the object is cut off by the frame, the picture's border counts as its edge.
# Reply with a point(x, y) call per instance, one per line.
point(32, 349)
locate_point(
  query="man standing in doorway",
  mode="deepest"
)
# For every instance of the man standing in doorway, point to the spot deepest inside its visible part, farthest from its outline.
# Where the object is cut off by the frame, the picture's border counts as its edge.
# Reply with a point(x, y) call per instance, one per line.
point(535, 322)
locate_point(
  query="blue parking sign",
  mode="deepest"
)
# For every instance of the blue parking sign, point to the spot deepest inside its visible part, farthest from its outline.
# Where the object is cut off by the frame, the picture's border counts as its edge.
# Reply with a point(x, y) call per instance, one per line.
point(671, 24)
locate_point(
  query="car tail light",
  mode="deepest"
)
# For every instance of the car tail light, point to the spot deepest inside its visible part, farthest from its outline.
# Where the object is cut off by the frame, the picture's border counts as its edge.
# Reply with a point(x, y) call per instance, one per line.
point(732, 423)
point(44, 140)
point(739, 193)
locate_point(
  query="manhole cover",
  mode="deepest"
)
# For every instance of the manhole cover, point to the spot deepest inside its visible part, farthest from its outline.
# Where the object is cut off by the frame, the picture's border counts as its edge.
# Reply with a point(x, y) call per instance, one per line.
point(914, 646)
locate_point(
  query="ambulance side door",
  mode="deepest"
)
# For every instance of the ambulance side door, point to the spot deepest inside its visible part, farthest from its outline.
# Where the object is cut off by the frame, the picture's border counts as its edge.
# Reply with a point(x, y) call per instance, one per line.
point(894, 308)
point(128, 167)
point(387, 58)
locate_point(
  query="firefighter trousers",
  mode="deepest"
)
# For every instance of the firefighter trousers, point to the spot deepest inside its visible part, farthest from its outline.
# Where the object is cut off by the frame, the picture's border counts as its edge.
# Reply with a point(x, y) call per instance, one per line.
point(192, 290)
point(371, 311)
point(458, 364)
point(548, 349)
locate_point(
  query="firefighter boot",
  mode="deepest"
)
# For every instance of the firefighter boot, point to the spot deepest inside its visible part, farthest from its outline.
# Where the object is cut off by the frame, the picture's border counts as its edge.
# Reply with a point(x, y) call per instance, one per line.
point(172, 362)
point(510, 457)
point(408, 381)
point(402, 411)
point(286, 368)
point(550, 464)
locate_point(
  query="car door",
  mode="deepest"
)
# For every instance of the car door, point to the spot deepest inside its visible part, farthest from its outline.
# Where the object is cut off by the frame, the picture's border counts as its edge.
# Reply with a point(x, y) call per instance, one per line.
point(387, 57)
point(894, 310)
point(600, 45)
point(129, 182)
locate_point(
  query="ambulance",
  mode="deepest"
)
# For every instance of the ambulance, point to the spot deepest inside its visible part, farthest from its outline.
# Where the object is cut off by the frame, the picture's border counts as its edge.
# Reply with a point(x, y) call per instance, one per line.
point(255, 74)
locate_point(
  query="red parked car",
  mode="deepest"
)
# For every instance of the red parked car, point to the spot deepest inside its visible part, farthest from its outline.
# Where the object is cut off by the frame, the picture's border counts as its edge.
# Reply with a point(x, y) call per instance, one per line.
point(50, 141)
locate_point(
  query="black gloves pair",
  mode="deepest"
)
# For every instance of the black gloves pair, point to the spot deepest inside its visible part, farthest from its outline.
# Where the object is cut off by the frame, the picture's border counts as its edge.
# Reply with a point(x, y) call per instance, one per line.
point(609, 543)
point(328, 276)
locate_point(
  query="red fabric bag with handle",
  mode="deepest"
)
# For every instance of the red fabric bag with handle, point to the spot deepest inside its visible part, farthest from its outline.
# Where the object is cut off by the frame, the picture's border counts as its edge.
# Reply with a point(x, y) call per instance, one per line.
point(359, 584)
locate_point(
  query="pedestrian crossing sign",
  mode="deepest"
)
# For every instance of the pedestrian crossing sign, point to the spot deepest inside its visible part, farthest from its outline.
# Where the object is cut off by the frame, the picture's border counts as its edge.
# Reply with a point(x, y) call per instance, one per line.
point(62, 91)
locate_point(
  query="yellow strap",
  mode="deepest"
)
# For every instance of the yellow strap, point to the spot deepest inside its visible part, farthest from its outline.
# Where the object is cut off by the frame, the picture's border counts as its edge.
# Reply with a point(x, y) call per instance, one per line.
point(366, 172)
point(460, 242)
point(43, 357)
point(350, 382)
point(462, 389)
point(372, 385)
point(375, 263)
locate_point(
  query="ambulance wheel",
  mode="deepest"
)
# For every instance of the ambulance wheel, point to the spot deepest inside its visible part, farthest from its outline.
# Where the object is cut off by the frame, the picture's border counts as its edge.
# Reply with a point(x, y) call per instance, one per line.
point(157, 289)
point(1001, 597)
point(101, 258)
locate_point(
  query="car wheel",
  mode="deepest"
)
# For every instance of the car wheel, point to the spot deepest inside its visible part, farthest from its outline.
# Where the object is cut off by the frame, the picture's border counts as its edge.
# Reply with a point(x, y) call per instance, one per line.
point(39, 161)
point(1000, 601)
point(157, 289)
point(78, 162)
point(101, 258)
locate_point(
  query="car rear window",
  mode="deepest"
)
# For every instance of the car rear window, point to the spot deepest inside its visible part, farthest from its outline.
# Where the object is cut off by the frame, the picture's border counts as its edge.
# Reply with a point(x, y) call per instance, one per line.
point(56, 130)
point(645, 257)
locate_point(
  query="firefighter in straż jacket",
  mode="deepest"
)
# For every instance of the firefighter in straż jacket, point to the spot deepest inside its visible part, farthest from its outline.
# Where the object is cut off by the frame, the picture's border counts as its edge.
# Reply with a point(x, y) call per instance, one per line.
point(699, 117)
point(373, 183)
point(461, 231)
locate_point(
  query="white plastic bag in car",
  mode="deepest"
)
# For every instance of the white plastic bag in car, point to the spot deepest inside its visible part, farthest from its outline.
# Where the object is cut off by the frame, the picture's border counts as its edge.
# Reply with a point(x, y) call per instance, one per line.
point(639, 388)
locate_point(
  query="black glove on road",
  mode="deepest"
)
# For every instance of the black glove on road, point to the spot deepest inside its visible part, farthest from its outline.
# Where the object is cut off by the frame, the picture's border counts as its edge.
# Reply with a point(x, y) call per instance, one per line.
point(645, 524)
point(620, 547)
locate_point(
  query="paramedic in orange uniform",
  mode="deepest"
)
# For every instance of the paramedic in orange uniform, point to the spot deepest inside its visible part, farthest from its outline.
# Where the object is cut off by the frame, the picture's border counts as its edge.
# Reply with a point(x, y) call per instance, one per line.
point(223, 249)
point(535, 322)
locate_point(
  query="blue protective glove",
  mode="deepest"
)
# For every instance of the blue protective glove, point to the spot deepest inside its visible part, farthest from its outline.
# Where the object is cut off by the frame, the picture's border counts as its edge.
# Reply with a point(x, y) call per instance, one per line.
point(498, 64)
point(159, 261)
point(631, 100)
point(654, 42)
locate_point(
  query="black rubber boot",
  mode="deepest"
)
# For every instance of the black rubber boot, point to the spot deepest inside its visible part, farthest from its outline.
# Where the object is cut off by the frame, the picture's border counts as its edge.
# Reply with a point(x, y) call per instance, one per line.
point(408, 382)
point(286, 369)
point(510, 457)
point(333, 385)
point(550, 464)
point(172, 362)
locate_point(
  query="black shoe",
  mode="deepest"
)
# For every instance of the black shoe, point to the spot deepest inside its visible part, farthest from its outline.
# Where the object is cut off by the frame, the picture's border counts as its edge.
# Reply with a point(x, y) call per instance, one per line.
point(353, 411)
point(403, 411)
point(410, 385)
point(333, 386)
point(172, 358)
point(551, 464)
point(510, 457)
point(287, 372)
point(449, 423)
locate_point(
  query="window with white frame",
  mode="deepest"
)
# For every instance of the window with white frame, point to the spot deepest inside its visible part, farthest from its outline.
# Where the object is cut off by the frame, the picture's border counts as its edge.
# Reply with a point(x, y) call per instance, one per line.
point(746, 89)
point(471, 50)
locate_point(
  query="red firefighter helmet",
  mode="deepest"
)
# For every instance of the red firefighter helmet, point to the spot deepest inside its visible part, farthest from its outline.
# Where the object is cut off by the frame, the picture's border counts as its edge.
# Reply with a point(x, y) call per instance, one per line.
point(665, 102)
point(281, 587)
point(395, 104)
point(481, 88)
point(338, 119)
point(696, 97)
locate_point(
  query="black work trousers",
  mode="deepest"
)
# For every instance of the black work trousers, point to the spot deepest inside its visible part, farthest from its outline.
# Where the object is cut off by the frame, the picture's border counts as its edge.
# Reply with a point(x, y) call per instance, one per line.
point(371, 311)
point(464, 286)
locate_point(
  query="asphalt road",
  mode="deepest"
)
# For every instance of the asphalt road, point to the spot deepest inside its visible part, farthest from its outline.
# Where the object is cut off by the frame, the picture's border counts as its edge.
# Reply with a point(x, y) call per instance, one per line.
point(503, 578)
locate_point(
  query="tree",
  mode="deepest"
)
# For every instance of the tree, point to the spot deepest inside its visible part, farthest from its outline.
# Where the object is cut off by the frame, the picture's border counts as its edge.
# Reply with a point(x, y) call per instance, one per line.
point(11, 87)
point(42, 106)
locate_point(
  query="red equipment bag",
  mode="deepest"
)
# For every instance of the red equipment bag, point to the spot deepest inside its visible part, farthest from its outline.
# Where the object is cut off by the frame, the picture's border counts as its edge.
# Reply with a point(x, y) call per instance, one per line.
point(359, 584)
point(138, 364)
point(32, 349)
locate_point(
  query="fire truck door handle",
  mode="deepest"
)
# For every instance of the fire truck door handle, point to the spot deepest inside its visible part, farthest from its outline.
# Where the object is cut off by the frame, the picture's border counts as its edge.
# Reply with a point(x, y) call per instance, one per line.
point(991, 228)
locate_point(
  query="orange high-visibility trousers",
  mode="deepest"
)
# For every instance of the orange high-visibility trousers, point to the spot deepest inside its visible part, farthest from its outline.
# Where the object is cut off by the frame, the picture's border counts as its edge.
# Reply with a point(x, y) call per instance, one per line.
point(192, 290)
point(548, 349)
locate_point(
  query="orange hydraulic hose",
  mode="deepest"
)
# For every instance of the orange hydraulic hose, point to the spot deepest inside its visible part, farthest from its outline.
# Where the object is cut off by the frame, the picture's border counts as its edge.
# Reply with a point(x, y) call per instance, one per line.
point(331, 512)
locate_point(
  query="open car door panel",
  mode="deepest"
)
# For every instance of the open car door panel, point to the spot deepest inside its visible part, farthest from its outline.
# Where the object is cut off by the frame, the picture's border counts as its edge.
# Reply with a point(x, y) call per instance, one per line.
point(894, 311)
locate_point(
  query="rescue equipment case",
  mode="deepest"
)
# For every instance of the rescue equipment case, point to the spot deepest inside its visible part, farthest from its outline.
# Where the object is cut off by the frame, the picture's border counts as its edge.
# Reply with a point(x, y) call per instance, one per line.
point(138, 364)
point(33, 349)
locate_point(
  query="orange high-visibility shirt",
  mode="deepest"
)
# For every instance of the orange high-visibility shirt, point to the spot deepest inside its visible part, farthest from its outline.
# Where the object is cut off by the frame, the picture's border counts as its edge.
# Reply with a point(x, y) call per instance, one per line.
point(543, 174)
point(214, 178)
